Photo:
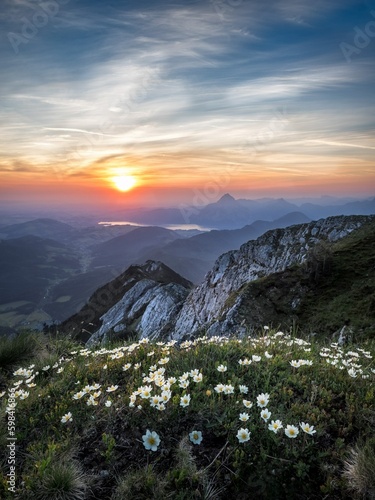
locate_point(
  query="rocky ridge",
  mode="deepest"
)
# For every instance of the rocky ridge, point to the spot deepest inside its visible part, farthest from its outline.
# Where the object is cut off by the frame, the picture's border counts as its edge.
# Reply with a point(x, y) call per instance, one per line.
point(212, 306)
point(151, 300)
point(143, 301)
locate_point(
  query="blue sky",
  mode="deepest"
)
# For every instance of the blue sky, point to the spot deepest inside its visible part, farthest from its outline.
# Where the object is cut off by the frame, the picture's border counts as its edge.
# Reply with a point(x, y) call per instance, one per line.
point(261, 98)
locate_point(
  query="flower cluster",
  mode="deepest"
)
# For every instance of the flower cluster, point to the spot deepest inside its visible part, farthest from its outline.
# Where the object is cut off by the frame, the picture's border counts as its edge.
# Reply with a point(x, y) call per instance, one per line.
point(156, 386)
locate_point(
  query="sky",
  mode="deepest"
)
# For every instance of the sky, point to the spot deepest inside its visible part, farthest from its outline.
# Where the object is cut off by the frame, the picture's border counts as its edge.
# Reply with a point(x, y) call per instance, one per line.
point(186, 100)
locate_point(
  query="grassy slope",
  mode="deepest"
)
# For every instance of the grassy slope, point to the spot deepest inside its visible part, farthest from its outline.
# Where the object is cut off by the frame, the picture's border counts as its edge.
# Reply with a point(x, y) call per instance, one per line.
point(343, 293)
point(347, 293)
point(102, 446)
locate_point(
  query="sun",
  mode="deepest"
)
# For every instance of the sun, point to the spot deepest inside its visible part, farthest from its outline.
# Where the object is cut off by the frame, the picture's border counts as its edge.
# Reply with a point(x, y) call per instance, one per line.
point(124, 182)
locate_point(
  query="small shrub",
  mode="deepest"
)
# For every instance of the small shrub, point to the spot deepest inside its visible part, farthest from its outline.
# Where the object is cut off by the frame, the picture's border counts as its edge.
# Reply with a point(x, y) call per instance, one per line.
point(142, 484)
point(359, 470)
point(62, 481)
point(21, 348)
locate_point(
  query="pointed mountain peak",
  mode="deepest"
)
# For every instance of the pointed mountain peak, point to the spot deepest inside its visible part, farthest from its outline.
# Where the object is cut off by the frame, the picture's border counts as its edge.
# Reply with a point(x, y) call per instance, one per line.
point(226, 199)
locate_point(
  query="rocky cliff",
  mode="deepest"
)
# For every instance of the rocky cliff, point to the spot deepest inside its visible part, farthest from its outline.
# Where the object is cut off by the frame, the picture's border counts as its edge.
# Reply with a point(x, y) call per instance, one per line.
point(143, 301)
point(213, 305)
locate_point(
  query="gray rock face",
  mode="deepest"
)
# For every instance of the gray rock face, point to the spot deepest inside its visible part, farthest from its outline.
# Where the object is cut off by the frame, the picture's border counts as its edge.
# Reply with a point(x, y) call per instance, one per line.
point(213, 304)
point(149, 306)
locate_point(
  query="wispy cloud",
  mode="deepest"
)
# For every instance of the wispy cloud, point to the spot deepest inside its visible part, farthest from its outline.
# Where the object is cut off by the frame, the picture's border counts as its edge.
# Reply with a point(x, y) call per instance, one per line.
point(178, 90)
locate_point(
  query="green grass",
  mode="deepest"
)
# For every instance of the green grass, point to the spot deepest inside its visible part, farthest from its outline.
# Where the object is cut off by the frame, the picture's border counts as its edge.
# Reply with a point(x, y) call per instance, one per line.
point(21, 348)
point(105, 444)
point(318, 298)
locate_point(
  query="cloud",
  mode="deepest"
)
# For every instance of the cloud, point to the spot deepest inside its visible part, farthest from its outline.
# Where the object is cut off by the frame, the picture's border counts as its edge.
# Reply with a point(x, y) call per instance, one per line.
point(182, 89)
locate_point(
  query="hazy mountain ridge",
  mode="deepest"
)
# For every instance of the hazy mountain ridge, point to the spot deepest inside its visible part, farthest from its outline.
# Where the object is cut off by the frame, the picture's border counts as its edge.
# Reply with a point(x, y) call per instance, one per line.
point(194, 257)
point(229, 213)
point(123, 250)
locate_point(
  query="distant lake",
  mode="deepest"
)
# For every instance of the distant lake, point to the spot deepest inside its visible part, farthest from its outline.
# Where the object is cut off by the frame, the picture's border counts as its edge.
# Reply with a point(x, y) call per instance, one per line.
point(173, 227)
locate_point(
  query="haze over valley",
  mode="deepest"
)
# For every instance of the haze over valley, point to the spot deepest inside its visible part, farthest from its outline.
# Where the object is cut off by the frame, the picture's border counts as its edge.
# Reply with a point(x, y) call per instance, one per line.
point(50, 268)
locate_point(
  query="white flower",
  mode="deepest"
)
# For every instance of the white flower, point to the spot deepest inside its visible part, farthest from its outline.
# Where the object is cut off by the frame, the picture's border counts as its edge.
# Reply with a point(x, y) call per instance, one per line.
point(262, 400)
point(195, 437)
point(108, 403)
point(163, 361)
point(243, 389)
point(146, 392)
point(219, 388)
point(185, 400)
point(309, 429)
point(198, 378)
point(112, 388)
point(291, 431)
point(67, 418)
point(275, 425)
point(247, 404)
point(244, 417)
point(222, 368)
point(151, 440)
point(126, 367)
point(166, 395)
point(79, 395)
point(265, 414)
point(256, 358)
point(228, 389)
point(295, 363)
point(352, 372)
point(244, 361)
point(155, 400)
point(268, 355)
point(243, 435)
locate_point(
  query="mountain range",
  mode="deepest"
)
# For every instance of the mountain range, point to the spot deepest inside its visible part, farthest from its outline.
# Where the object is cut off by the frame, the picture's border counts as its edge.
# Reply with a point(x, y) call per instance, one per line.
point(49, 268)
point(271, 278)
point(229, 213)
point(52, 286)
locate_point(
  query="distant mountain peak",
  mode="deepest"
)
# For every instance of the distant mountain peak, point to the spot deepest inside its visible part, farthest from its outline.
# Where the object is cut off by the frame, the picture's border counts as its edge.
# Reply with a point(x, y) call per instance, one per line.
point(226, 198)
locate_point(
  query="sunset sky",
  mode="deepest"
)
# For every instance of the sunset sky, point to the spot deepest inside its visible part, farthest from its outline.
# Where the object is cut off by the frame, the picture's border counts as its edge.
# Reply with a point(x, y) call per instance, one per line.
point(255, 98)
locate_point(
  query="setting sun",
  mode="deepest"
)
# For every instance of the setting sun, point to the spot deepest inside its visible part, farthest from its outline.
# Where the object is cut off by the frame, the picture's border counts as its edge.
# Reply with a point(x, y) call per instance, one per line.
point(124, 182)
